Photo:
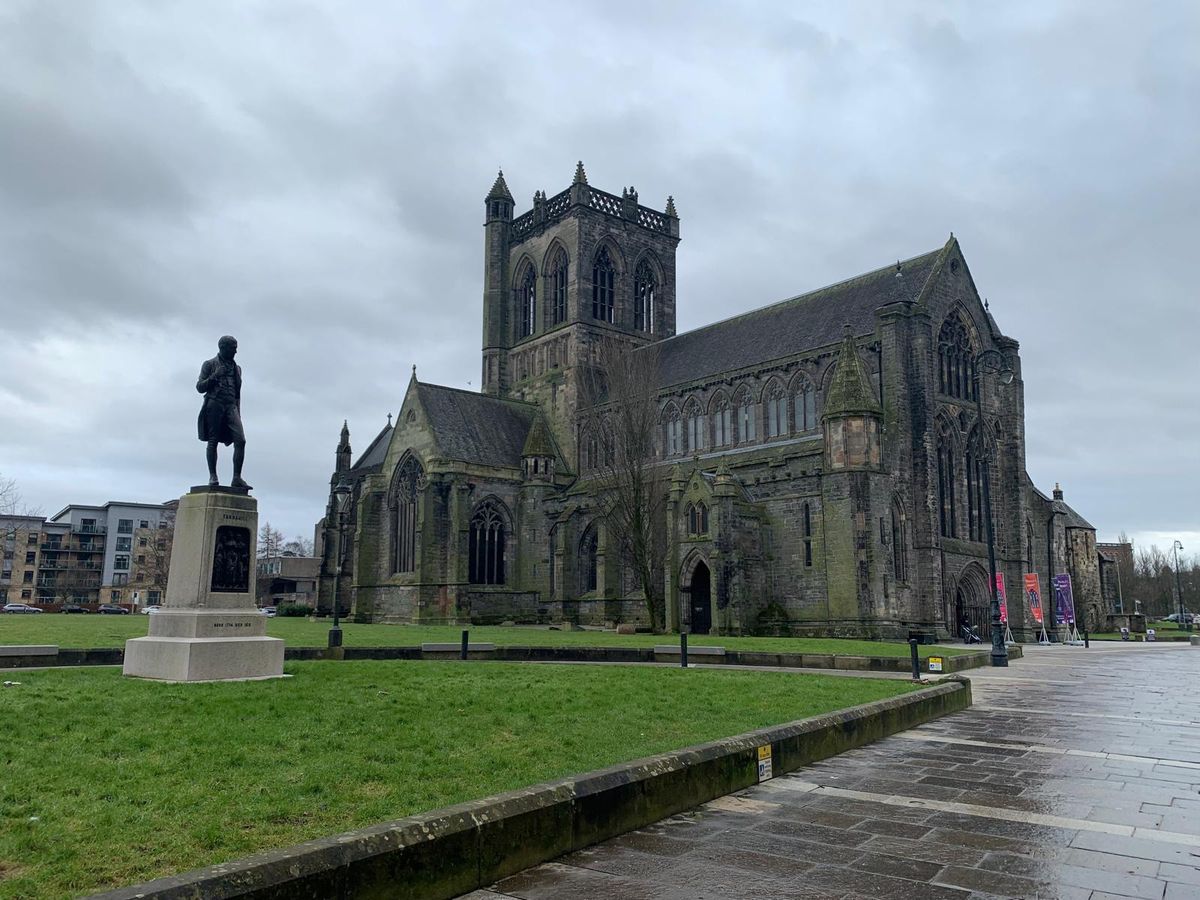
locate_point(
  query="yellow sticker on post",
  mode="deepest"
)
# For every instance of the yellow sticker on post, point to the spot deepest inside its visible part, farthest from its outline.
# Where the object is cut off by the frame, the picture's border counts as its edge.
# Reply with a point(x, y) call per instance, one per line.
point(935, 664)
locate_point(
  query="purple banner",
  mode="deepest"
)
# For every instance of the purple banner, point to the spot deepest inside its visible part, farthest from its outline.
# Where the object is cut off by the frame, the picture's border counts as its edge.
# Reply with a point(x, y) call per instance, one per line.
point(1064, 600)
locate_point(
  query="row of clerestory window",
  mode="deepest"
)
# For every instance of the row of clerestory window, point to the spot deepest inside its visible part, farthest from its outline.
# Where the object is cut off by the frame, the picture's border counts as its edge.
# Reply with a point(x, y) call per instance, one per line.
point(603, 300)
point(784, 413)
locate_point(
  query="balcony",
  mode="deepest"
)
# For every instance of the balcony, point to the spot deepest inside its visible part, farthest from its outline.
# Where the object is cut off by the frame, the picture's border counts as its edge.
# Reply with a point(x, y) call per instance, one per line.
point(89, 548)
point(53, 548)
point(90, 529)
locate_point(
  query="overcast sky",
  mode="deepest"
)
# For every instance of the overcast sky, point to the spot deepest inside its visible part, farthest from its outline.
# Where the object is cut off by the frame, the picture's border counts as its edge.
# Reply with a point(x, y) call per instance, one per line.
point(310, 178)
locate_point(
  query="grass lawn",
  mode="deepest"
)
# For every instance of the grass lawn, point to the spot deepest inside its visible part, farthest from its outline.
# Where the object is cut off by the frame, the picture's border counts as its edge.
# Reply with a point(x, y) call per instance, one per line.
point(112, 631)
point(110, 781)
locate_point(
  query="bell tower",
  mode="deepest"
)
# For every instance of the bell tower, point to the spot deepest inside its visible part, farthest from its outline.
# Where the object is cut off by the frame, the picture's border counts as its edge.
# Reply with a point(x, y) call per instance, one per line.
point(579, 266)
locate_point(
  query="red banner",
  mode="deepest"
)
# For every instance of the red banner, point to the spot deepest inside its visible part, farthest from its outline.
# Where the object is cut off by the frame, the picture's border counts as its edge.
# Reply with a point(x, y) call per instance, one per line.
point(1033, 593)
point(1003, 598)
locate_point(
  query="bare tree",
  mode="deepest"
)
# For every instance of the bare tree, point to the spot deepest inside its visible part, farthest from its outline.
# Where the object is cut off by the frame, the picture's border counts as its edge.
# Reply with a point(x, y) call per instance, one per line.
point(157, 565)
point(618, 425)
point(298, 546)
point(270, 542)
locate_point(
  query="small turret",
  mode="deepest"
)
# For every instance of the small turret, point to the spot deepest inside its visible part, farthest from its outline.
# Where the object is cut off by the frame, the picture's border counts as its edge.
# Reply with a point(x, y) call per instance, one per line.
point(343, 450)
point(499, 201)
point(851, 413)
point(539, 453)
point(1058, 493)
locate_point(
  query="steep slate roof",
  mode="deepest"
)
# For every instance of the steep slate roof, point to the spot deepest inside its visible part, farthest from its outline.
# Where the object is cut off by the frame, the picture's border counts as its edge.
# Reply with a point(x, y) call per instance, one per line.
point(475, 427)
point(802, 323)
point(1071, 519)
point(539, 442)
point(376, 451)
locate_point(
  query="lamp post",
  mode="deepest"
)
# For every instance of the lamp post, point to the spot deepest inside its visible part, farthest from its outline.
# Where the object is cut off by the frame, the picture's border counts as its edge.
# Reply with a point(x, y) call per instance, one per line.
point(1176, 547)
point(991, 360)
point(341, 504)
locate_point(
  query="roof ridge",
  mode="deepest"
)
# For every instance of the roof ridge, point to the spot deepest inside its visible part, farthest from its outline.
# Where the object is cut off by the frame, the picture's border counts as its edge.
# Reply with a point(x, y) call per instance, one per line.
point(371, 446)
point(778, 303)
point(479, 394)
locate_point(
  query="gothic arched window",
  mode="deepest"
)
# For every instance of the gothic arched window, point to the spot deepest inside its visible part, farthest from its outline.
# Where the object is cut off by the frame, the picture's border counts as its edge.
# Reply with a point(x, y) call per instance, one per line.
point(722, 419)
point(743, 414)
point(589, 451)
point(776, 411)
point(406, 491)
point(526, 302)
point(696, 425)
point(947, 472)
point(899, 542)
point(558, 288)
point(956, 359)
point(589, 547)
point(697, 516)
point(486, 551)
point(673, 430)
point(603, 286)
point(644, 290)
point(805, 406)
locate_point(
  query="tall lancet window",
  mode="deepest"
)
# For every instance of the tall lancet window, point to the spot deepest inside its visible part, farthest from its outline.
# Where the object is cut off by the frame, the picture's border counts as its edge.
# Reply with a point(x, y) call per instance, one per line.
point(487, 545)
point(526, 301)
point(603, 286)
point(558, 288)
point(406, 494)
point(644, 290)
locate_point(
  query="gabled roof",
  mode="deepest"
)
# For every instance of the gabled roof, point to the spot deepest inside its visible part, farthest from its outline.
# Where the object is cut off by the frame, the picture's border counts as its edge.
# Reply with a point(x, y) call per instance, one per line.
point(376, 450)
point(539, 442)
point(805, 322)
point(499, 189)
point(475, 427)
point(849, 390)
point(1071, 519)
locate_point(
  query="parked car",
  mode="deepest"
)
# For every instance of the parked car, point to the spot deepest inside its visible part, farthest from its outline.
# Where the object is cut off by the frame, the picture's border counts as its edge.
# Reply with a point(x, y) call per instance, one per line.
point(109, 609)
point(146, 610)
point(1175, 617)
point(74, 608)
point(269, 611)
point(20, 608)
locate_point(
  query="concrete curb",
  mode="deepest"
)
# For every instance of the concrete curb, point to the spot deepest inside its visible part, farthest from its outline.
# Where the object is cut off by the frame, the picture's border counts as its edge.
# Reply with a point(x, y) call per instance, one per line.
point(452, 851)
point(115, 657)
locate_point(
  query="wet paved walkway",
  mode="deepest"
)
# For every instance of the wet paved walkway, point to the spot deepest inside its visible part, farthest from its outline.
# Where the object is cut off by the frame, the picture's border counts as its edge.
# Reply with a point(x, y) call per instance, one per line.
point(1076, 774)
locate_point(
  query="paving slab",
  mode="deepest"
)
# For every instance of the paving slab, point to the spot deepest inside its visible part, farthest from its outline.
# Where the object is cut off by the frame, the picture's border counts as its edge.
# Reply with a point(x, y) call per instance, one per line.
point(1076, 774)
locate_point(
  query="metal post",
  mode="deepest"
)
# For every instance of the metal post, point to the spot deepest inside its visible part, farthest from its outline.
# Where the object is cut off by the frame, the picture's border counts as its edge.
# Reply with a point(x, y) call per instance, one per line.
point(463, 653)
point(999, 651)
point(916, 659)
point(1179, 589)
point(683, 649)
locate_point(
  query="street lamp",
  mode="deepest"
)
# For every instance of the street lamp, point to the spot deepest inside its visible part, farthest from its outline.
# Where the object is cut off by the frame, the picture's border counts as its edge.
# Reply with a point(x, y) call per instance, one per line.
point(1176, 547)
point(991, 360)
point(341, 505)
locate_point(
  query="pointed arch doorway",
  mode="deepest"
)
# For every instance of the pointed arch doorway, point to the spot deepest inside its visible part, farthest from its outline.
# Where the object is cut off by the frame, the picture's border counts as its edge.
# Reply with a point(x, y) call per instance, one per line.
point(971, 605)
point(700, 593)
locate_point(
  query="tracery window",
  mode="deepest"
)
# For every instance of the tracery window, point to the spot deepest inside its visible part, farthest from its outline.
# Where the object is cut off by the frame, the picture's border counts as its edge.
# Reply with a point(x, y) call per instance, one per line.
point(947, 475)
point(486, 551)
point(526, 302)
point(603, 286)
point(956, 359)
point(744, 415)
point(589, 451)
point(805, 406)
point(899, 542)
point(696, 427)
point(674, 431)
point(406, 492)
point(697, 517)
point(722, 422)
point(644, 290)
point(776, 411)
point(558, 288)
point(589, 547)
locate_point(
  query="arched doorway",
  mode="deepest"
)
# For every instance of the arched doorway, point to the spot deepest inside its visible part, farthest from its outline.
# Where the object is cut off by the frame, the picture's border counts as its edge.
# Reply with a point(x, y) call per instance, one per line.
point(701, 599)
point(971, 605)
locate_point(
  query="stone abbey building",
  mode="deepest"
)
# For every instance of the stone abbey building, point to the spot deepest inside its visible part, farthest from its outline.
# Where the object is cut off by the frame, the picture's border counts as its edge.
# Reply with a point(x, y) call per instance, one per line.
point(825, 452)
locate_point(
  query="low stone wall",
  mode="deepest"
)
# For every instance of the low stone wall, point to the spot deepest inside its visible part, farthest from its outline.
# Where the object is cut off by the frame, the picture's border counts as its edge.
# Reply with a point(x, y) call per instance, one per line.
point(451, 851)
point(115, 656)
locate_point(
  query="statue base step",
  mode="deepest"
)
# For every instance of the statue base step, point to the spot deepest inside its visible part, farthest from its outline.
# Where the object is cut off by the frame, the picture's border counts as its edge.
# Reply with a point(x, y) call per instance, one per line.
point(203, 659)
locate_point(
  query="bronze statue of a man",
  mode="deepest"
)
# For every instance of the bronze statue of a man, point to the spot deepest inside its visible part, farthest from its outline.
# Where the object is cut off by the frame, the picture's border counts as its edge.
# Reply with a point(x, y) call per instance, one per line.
point(221, 415)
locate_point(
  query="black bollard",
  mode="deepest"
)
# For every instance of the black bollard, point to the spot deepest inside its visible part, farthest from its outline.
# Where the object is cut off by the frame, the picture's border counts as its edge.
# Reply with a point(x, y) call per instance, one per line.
point(683, 649)
point(1086, 645)
point(916, 659)
point(463, 653)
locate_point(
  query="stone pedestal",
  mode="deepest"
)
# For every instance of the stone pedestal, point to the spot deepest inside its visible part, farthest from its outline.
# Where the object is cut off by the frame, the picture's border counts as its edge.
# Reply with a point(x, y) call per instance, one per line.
point(209, 628)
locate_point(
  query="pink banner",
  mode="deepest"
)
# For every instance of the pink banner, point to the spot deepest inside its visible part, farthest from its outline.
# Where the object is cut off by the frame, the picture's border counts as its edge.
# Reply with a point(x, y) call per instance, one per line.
point(1003, 598)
